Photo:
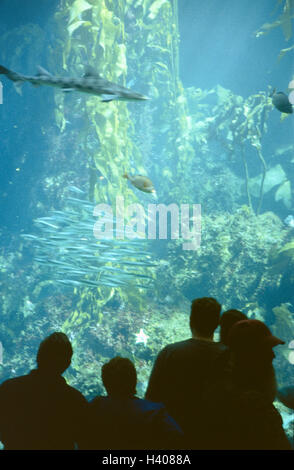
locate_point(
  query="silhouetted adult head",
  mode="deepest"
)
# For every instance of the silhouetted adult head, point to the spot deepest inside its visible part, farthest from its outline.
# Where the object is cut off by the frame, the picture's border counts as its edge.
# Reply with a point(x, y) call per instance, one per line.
point(54, 354)
point(227, 320)
point(251, 344)
point(119, 377)
point(204, 317)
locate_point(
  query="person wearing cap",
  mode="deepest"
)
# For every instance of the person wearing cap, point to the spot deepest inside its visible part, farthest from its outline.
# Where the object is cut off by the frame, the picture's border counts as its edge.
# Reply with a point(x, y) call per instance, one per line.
point(246, 416)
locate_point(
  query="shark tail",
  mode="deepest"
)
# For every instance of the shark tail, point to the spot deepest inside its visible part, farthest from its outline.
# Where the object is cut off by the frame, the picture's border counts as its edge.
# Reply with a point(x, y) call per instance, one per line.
point(4, 70)
point(15, 77)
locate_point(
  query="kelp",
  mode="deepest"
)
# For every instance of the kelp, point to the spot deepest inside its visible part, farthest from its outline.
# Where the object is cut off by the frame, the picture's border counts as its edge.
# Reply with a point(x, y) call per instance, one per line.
point(256, 111)
point(154, 56)
point(284, 21)
point(284, 51)
point(117, 38)
point(101, 41)
point(235, 124)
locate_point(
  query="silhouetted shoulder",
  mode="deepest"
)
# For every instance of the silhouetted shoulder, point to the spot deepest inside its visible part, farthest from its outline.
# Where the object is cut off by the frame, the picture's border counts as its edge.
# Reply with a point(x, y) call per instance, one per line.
point(39, 381)
point(192, 343)
point(75, 394)
point(13, 382)
point(253, 421)
point(125, 405)
point(131, 423)
point(39, 411)
point(191, 348)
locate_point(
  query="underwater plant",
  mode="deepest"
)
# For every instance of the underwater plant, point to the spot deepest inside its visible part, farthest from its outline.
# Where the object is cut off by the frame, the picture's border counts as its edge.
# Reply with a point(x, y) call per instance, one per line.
point(232, 263)
point(281, 259)
point(275, 177)
point(122, 41)
point(284, 21)
point(95, 34)
point(233, 127)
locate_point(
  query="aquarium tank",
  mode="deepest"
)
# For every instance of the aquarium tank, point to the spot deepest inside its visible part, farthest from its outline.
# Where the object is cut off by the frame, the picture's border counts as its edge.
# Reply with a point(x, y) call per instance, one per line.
point(147, 159)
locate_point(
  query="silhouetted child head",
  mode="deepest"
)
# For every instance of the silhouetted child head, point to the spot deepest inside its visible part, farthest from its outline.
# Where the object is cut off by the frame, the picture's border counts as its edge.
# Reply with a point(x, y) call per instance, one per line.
point(119, 377)
point(205, 315)
point(54, 354)
point(227, 320)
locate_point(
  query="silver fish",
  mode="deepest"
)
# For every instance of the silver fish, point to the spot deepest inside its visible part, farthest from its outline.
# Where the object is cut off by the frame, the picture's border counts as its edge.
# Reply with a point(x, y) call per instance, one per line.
point(71, 256)
point(91, 82)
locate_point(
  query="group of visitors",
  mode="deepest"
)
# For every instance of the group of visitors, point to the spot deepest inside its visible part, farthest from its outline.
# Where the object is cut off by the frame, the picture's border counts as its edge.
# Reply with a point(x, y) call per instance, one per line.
point(201, 394)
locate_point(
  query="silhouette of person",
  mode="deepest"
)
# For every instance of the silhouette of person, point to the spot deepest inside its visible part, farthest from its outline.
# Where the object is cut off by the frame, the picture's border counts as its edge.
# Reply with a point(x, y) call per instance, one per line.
point(39, 410)
point(120, 420)
point(222, 363)
point(245, 417)
point(227, 321)
point(183, 371)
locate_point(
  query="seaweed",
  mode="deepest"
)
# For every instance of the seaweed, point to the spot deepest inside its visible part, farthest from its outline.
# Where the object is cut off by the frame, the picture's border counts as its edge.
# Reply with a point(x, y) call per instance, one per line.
point(233, 262)
point(284, 21)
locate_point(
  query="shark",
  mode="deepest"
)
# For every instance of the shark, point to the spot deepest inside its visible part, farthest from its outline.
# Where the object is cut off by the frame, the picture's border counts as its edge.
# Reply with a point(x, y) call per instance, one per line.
point(91, 82)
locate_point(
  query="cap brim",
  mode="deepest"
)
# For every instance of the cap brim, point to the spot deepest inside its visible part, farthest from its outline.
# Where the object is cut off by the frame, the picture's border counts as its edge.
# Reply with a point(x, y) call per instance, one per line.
point(274, 341)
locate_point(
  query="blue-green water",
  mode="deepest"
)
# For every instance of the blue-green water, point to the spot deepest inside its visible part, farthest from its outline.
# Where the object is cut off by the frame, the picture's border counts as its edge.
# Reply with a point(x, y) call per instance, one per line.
point(207, 136)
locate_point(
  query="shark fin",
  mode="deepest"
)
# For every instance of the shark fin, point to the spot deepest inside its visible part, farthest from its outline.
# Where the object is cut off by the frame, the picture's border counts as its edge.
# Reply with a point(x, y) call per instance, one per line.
point(131, 83)
point(17, 85)
point(90, 72)
point(108, 98)
point(42, 71)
